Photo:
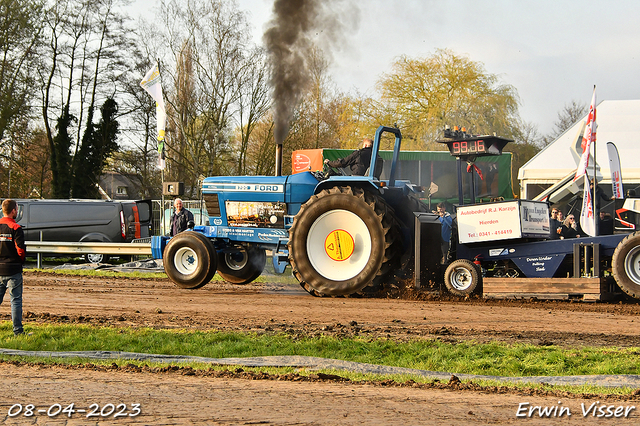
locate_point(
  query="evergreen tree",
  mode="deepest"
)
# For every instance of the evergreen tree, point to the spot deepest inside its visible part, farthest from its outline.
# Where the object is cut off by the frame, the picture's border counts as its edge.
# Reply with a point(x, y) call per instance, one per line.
point(98, 143)
point(61, 157)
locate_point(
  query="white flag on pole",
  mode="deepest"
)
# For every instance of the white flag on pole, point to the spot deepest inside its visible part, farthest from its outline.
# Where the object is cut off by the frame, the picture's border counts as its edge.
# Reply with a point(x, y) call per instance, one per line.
point(587, 218)
point(152, 84)
point(588, 137)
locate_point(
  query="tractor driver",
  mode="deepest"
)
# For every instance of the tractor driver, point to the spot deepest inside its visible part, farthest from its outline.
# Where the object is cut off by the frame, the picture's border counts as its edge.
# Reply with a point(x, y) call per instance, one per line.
point(358, 161)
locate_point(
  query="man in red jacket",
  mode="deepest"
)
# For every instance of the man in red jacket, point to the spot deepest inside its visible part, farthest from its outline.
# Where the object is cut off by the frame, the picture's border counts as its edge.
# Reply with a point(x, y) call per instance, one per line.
point(12, 256)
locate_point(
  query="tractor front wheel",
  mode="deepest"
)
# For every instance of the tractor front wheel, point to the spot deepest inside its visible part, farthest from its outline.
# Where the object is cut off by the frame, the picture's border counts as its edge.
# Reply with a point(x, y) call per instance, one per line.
point(190, 260)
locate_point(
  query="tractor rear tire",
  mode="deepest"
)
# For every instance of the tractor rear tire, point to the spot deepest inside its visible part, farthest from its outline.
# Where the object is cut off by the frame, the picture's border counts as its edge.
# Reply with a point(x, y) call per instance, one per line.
point(462, 278)
point(343, 240)
point(625, 265)
point(242, 266)
point(190, 260)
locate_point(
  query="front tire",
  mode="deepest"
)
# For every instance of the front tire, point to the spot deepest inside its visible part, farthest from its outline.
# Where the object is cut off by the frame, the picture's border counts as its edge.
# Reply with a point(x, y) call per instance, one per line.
point(625, 265)
point(341, 241)
point(190, 260)
point(241, 266)
point(462, 278)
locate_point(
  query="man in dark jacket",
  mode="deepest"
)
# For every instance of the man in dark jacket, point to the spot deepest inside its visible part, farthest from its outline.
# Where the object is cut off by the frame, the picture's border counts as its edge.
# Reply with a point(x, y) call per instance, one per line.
point(358, 161)
point(12, 256)
point(555, 225)
point(181, 219)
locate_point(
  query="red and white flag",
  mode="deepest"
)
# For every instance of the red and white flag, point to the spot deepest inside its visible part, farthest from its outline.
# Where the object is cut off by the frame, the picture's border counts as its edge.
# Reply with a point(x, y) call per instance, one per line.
point(588, 137)
point(587, 218)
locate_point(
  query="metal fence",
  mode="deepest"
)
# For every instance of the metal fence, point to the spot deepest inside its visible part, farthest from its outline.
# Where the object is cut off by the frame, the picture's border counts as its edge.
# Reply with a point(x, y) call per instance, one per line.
point(161, 225)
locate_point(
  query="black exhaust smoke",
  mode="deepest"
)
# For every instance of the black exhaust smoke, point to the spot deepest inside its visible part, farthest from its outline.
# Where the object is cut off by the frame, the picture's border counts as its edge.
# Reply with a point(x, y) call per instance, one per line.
point(286, 41)
point(295, 27)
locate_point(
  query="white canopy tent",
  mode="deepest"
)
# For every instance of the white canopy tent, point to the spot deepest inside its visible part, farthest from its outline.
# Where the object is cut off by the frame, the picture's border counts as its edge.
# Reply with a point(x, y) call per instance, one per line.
point(618, 122)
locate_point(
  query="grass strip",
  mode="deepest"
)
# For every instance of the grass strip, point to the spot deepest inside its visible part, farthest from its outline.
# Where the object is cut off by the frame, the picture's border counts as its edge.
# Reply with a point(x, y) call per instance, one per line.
point(495, 359)
point(141, 275)
point(99, 273)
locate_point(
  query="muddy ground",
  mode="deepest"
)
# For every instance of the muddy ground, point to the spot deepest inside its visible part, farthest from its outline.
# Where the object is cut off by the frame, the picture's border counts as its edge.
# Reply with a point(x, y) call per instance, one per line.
point(179, 396)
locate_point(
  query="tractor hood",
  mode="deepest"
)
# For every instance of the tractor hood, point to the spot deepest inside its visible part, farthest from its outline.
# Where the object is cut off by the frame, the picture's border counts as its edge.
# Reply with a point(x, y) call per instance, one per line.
point(295, 188)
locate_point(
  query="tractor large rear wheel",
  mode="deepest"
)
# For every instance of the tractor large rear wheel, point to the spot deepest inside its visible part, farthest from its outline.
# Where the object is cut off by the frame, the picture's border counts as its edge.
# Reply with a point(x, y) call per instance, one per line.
point(625, 265)
point(190, 260)
point(343, 240)
point(243, 265)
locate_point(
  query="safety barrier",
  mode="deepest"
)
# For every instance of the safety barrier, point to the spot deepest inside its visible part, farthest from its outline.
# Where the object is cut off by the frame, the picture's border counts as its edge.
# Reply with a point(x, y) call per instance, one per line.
point(56, 248)
point(87, 248)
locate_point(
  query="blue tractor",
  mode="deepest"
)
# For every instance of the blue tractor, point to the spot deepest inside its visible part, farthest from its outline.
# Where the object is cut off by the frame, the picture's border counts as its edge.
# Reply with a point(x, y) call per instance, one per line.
point(340, 234)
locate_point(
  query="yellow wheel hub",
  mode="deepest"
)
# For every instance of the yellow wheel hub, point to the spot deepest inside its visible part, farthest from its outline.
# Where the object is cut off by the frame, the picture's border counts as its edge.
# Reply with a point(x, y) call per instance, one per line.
point(339, 245)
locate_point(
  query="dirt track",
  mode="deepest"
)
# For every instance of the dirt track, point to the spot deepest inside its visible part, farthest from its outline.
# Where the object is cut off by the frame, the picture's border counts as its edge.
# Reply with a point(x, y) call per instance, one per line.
point(178, 398)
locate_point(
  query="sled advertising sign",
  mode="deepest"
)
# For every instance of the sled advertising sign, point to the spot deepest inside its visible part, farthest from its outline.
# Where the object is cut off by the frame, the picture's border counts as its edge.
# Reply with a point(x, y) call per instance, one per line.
point(503, 221)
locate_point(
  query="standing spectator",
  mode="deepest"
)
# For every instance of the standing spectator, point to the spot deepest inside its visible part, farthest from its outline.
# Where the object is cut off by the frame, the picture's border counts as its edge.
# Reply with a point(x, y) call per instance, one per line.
point(605, 224)
point(555, 225)
point(570, 228)
point(447, 222)
point(181, 219)
point(489, 177)
point(12, 256)
point(599, 196)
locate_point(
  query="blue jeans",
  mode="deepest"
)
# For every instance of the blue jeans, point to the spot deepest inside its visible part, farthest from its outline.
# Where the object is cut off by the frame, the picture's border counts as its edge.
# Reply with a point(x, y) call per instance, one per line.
point(14, 284)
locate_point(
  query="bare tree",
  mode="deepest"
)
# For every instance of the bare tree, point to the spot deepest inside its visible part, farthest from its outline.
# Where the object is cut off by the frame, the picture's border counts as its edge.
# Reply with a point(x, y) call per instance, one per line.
point(253, 104)
point(19, 41)
point(261, 149)
point(24, 167)
point(85, 63)
point(215, 84)
point(567, 117)
point(321, 114)
point(139, 156)
point(20, 29)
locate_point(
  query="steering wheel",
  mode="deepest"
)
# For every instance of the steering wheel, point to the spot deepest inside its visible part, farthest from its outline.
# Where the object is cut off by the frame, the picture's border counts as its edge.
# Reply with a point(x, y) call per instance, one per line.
point(332, 171)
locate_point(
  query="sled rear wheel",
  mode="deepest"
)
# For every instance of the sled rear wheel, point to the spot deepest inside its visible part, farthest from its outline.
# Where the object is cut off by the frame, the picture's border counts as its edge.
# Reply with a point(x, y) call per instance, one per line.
point(462, 278)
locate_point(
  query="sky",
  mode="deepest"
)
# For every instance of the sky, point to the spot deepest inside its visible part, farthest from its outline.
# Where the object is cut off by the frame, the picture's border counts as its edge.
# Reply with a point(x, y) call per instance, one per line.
point(552, 51)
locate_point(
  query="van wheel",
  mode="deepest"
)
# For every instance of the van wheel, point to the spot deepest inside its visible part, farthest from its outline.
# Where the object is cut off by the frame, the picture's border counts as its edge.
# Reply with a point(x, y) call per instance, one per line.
point(242, 266)
point(96, 258)
point(190, 260)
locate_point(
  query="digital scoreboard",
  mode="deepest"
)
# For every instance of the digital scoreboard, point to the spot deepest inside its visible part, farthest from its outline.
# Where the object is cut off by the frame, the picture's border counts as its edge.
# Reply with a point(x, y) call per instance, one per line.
point(468, 148)
point(475, 146)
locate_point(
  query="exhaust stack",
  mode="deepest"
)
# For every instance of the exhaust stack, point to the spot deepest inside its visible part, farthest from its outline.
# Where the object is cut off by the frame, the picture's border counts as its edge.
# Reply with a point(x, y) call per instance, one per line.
point(279, 159)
